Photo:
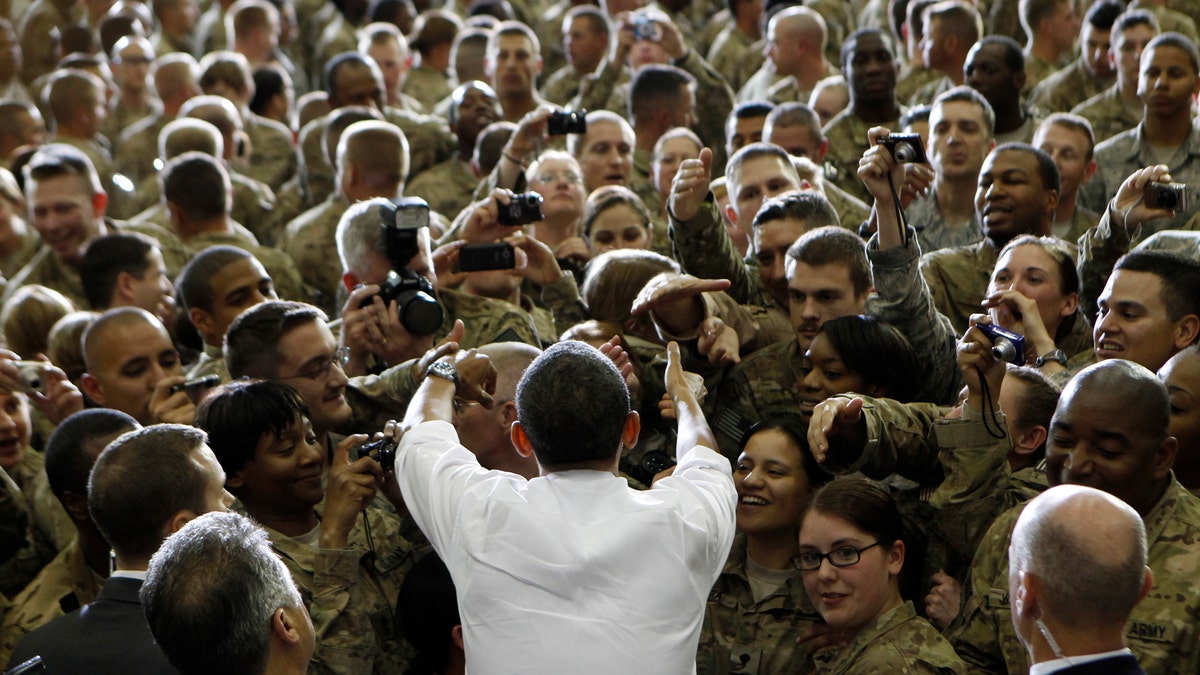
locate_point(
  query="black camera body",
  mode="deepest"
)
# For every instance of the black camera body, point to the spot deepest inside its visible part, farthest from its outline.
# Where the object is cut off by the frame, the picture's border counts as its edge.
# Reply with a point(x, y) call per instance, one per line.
point(1171, 196)
point(382, 451)
point(522, 209)
point(567, 122)
point(905, 148)
point(1006, 345)
point(400, 222)
point(482, 257)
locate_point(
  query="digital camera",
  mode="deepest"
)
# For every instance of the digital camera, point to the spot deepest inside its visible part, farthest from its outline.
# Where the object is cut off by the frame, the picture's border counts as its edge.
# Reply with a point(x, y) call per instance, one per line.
point(644, 28)
point(905, 148)
point(523, 209)
point(382, 451)
point(401, 221)
point(33, 376)
point(567, 122)
point(1006, 345)
point(1171, 196)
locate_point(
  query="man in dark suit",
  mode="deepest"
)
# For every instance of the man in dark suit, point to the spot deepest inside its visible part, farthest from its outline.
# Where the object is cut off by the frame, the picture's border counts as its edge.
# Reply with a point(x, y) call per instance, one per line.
point(1077, 566)
point(146, 485)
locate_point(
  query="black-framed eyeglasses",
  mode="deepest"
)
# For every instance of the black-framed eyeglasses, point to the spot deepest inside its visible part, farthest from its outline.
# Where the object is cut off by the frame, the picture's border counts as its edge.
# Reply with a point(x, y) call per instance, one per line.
point(320, 370)
point(845, 556)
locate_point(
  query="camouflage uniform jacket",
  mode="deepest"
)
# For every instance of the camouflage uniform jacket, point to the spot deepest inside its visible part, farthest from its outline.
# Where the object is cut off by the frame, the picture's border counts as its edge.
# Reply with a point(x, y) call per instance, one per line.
point(427, 85)
point(211, 362)
point(64, 585)
point(137, 148)
point(562, 85)
point(958, 279)
point(704, 249)
point(1067, 88)
point(852, 211)
point(926, 93)
point(1083, 220)
point(847, 136)
point(727, 53)
point(741, 635)
point(933, 232)
point(41, 19)
point(1036, 70)
point(1108, 114)
point(310, 240)
point(273, 156)
point(1121, 155)
point(120, 118)
point(765, 384)
point(487, 320)
point(447, 187)
point(757, 84)
point(904, 300)
point(30, 242)
point(910, 80)
point(1162, 630)
point(351, 595)
point(898, 641)
point(640, 180)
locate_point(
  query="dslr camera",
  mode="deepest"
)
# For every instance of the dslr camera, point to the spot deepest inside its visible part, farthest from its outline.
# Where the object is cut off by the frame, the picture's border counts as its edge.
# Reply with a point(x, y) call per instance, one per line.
point(419, 312)
point(905, 148)
point(567, 122)
point(523, 209)
point(1171, 196)
point(1006, 345)
point(382, 451)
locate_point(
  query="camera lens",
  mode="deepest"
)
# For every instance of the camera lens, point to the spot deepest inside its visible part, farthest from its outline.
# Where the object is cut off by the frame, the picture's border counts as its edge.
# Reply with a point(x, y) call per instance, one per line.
point(1004, 350)
point(905, 152)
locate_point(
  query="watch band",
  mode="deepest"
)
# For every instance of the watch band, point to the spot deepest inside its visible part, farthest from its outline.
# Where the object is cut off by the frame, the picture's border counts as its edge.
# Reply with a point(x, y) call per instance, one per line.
point(1058, 356)
point(444, 370)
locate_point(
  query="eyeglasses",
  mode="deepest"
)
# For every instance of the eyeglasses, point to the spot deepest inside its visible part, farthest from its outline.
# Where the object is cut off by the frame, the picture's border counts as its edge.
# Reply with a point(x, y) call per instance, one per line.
point(555, 176)
point(319, 371)
point(809, 561)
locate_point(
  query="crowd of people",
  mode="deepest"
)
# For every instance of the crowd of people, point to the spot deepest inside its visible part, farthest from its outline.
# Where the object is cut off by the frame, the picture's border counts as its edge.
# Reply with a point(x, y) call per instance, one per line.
point(540, 336)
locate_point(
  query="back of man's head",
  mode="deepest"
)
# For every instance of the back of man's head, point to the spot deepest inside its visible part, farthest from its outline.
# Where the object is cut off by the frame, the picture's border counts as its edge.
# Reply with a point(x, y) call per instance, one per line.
point(141, 482)
point(1087, 550)
point(197, 186)
point(572, 404)
point(380, 154)
point(251, 343)
point(72, 449)
point(218, 599)
point(655, 88)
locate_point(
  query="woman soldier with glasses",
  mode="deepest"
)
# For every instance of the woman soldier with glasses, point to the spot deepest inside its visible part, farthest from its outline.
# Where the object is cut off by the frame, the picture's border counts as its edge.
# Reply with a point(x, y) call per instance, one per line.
point(851, 554)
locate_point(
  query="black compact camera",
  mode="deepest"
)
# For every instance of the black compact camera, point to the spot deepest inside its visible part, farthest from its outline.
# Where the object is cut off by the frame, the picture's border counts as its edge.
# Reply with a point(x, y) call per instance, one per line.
point(480, 257)
point(522, 209)
point(419, 311)
point(382, 451)
point(1006, 345)
point(1171, 196)
point(567, 122)
point(905, 148)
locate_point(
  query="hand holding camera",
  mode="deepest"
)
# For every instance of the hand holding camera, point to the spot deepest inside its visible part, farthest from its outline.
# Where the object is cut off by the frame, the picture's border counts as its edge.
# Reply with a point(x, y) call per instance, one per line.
point(47, 386)
point(1146, 194)
point(982, 353)
point(350, 490)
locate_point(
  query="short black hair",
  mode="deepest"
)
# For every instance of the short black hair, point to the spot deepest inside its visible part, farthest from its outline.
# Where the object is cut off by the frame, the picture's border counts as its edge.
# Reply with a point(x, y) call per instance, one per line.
point(237, 415)
point(655, 87)
point(68, 462)
point(1180, 277)
point(1103, 14)
point(1047, 169)
point(109, 256)
point(1014, 58)
point(877, 351)
point(193, 286)
point(572, 404)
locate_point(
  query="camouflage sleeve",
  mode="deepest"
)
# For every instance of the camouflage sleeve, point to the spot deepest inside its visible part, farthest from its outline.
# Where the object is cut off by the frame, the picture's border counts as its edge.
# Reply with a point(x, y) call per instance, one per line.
point(563, 301)
point(733, 412)
point(345, 636)
point(975, 490)
point(375, 399)
point(704, 249)
point(717, 98)
point(904, 300)
point(317, 173)
point(898, 438)
point(1099, 250)
point(982, 633)
point(14, 518)
point(597, 88)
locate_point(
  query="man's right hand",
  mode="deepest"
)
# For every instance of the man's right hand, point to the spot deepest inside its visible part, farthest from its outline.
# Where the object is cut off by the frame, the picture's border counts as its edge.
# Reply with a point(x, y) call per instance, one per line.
point(168, 408)
point(689, 189)
point(376, 329)
point(675, 300)
point(877, 164)
point(351, 489)
point(975, 357)
point(1129, 208)
point(476, 377)
point(831, 417)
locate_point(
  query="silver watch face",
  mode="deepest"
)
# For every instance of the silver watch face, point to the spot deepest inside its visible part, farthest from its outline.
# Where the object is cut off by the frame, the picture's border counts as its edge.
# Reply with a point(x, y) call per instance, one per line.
point(443, 370)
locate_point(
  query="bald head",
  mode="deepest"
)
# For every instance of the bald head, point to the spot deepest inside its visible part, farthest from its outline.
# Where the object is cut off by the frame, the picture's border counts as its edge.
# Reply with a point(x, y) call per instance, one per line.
point(111, 325)
point(1143, 395)
point(1087, 550)
point(510, 359)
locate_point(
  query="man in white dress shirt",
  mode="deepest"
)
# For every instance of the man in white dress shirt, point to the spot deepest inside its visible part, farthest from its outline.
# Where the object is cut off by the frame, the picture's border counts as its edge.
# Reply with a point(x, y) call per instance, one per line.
point(572, 571)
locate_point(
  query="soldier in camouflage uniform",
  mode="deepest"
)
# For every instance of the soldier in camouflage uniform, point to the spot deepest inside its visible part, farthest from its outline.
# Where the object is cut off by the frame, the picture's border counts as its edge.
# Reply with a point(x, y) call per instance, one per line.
point(136, 147)
point(130, 62)
point(1090, 73)
point(585, 34)
point(868, 57)
point(75, 576)
point(349, 576)
point(958, 277)
point(1119, 107)
point(1162, 630)
point(448, 187)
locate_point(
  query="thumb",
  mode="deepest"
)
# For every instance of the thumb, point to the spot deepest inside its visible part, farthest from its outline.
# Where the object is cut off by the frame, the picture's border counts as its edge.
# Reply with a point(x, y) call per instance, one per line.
point(456, 333)
point(673, 358)
point(706, 159)
point(853, 409)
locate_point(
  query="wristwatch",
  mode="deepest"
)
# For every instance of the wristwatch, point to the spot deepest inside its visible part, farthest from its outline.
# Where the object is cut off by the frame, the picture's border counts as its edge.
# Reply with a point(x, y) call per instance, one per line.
point(1058, 356)
point(444, 370)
